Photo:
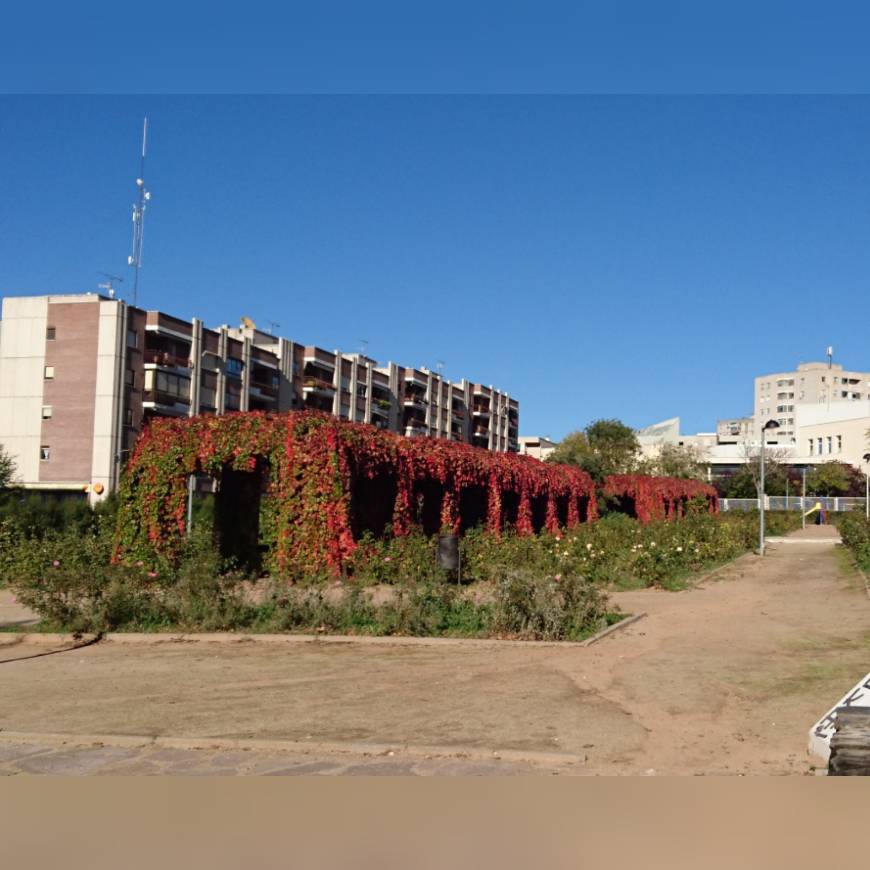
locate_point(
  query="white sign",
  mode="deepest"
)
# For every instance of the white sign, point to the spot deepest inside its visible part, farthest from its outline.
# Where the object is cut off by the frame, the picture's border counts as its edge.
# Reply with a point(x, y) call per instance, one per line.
point(823, 730)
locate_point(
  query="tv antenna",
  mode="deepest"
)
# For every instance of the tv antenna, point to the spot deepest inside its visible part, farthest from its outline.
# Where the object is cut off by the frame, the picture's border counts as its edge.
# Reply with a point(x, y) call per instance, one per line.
point(107, 286)
point(363, 346)
point(135, 259)
point(273, 326)
point(439, 365)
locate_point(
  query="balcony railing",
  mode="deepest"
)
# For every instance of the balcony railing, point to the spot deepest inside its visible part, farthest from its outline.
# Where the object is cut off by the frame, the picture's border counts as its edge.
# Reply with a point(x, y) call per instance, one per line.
point(480, 411)
point(310, 383)
point(166, 400)
point(415, 401)
point(266, 389)
point(163, 358)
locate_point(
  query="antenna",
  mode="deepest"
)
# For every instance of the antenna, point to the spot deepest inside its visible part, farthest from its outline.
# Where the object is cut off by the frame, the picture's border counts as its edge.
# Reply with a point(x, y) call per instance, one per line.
point(439, 364)
point(108, 284)
point(135, 259)
point(830, 354)
point(273, 326)
point(363, 346)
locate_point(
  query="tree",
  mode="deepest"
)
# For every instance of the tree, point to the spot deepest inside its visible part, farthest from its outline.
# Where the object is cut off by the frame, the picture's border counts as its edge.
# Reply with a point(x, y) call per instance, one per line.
point(775, 472)
point(829, 478)
point(678, 460)
point(603, 448)
point(7, 468)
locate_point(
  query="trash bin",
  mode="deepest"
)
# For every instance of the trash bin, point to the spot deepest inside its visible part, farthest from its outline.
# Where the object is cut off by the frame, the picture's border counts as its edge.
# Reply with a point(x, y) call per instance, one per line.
point(448, 552)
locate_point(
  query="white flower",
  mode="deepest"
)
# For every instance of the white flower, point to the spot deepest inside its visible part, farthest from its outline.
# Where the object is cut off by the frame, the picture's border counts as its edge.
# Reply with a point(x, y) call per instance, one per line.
point(679, 549)
point(652, 543)
point(589, 546)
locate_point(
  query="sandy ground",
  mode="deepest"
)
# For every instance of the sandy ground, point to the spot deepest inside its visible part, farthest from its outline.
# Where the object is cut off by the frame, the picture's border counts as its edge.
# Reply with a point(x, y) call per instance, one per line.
point(726, 678)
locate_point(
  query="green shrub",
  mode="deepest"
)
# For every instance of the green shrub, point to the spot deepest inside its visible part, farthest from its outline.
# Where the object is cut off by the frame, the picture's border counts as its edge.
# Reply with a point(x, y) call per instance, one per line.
point(560, 607)
point(855, 533)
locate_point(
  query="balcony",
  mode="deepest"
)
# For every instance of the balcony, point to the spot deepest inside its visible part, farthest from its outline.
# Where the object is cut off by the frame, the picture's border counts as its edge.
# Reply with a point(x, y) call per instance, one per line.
point(414, 428)
point(419, 380)
point(317, 385)
point(411, 401)
point(166, 359)
point(264, 391)
point(480, 411)
point(165, 403)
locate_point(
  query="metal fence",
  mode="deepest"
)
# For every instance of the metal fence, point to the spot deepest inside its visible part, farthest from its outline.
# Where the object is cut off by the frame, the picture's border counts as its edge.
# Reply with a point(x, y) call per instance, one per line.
point(792, 503)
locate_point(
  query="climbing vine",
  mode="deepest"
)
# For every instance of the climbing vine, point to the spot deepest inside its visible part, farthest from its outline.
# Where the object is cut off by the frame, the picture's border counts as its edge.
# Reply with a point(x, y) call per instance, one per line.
point(317, 468)
point(657, 498)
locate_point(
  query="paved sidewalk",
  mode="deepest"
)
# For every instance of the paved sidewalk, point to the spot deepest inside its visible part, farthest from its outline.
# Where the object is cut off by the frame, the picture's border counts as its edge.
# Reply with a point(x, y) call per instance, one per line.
point(36, 756)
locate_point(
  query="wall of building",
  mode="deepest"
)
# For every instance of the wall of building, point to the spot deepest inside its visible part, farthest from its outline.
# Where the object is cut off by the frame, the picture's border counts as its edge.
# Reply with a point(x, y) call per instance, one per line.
point(22, 375)
point(116, 366)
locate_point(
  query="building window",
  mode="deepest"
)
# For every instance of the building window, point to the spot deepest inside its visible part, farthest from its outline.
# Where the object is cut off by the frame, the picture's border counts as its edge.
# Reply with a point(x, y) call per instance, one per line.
point(811, 446)
point(830, 444)
point(46, 412)
point(233, 367)
point(132, 338)
point(839, 444)
point(819, 442)
point(44, 453)
point(128, 416)
point(50, 333)
point(49, 373)
point(130, 377)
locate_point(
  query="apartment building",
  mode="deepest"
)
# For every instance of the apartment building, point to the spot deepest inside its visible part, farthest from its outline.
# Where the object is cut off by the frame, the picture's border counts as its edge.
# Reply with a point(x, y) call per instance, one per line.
point(81, 374)
point(734, 430)
point(777, 396)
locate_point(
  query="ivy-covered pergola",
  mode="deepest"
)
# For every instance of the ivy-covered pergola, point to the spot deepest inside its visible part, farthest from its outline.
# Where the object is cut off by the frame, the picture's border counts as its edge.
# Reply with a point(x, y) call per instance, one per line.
point(307, 487)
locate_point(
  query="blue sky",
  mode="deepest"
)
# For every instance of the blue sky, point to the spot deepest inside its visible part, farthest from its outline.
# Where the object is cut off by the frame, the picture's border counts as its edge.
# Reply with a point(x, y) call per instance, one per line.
point(562, 46)
point(610, 256)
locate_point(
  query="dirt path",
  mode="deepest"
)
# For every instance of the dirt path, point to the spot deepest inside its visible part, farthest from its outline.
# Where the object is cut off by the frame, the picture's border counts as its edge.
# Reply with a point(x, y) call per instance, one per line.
point(724, 678)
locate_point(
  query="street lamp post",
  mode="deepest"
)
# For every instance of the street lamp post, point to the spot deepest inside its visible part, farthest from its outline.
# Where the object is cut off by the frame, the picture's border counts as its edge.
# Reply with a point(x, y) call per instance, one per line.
point(191, 478)
point(867, 488)
point(770, 424)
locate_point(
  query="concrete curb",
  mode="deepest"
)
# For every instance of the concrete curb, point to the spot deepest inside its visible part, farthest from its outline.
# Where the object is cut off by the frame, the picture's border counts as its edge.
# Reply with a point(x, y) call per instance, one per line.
point(292, 639)
point(623, 623)
point(143, 741)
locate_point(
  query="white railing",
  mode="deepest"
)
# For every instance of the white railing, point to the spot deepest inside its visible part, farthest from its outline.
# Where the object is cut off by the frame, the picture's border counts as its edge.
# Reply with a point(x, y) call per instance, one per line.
point(792, 503)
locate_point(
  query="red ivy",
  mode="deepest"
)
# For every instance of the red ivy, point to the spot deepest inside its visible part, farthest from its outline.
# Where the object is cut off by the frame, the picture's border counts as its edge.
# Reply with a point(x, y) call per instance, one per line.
point(659, 497)
point(318, 465)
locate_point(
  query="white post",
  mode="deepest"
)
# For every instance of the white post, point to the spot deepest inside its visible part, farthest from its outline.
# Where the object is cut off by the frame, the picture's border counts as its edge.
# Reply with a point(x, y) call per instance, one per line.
point(191, 482)
point(761, 501)
point(804, 500)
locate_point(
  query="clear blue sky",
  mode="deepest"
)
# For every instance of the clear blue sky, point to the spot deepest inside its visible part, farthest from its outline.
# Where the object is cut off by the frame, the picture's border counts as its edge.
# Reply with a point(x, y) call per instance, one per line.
point(611, 256)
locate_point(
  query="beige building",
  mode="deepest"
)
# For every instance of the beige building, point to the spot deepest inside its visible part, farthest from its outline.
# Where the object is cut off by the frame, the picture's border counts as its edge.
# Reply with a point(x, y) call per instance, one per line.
point(81, 374)
point(536, 446)
point(778, 396)
point(836, 432)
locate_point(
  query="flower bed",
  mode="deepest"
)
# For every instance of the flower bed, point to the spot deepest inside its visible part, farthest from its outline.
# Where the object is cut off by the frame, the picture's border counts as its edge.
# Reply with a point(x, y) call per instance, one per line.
point(326, 482)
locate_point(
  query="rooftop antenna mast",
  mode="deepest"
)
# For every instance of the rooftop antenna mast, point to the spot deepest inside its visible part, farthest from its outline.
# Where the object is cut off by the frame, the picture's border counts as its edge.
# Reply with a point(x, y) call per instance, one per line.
point(363, 346)
point(273, 326)
point(135, 259)
point(107, 286)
